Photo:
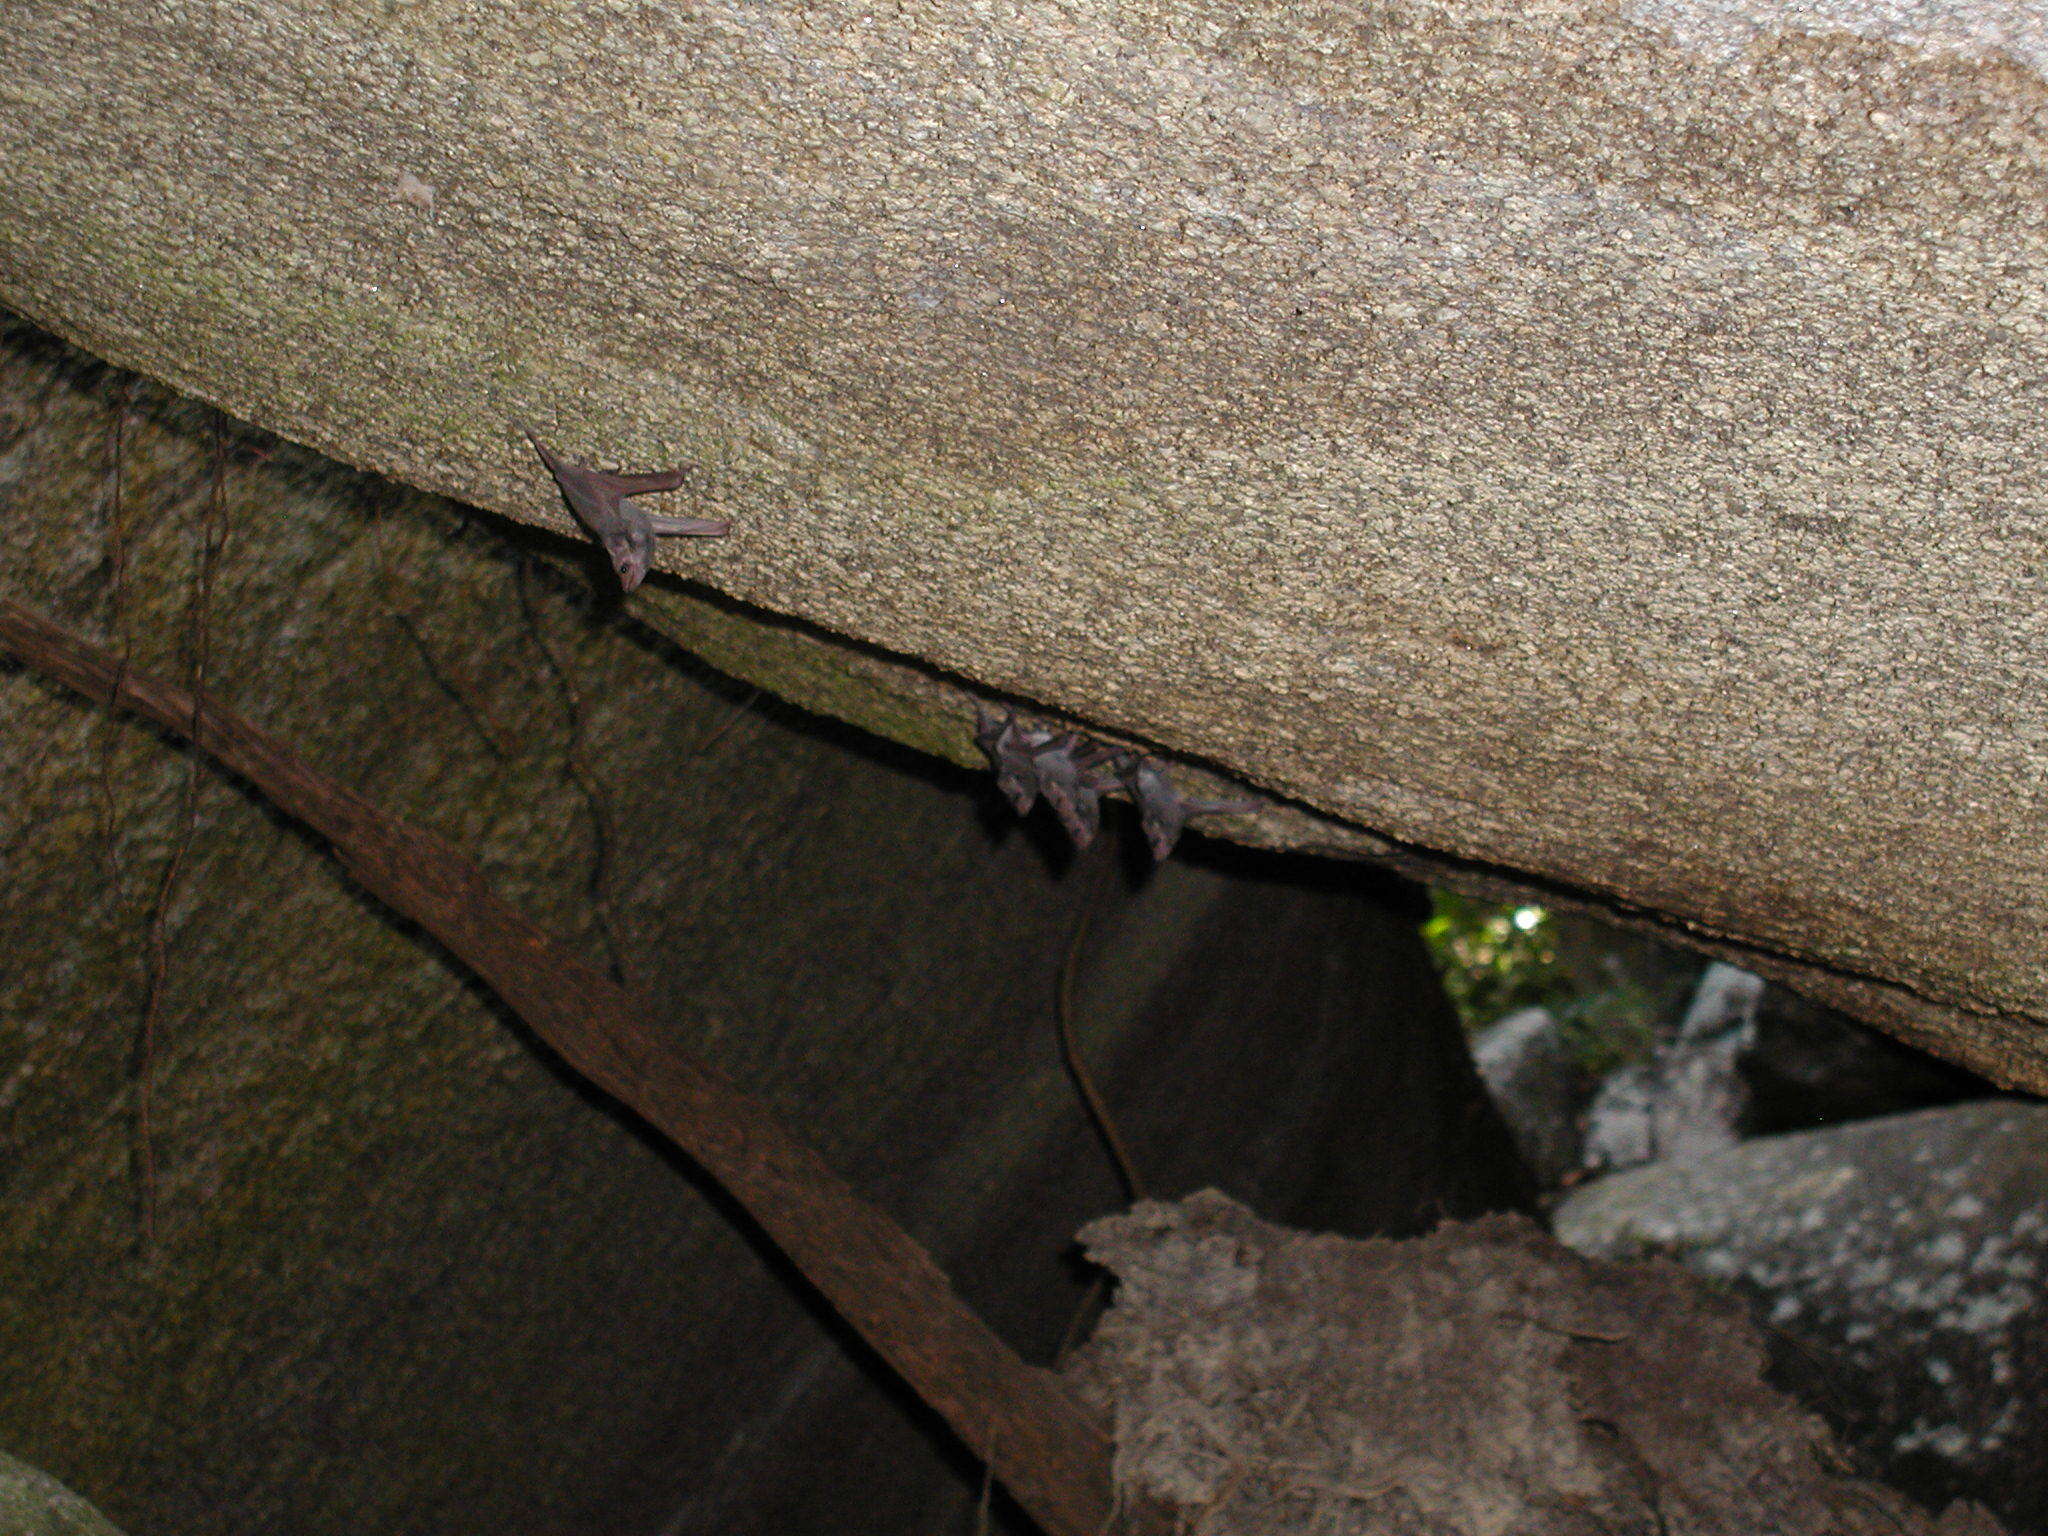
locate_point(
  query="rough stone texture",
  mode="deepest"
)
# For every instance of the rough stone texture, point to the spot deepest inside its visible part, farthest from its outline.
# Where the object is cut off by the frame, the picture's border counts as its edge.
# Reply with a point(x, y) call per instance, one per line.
point(375, 1268)
point(1903, 1266)
point(1599, 442)
point(1481, 1381)
point(1688, 1097)
point(1540, 1089)
point(33, 1503)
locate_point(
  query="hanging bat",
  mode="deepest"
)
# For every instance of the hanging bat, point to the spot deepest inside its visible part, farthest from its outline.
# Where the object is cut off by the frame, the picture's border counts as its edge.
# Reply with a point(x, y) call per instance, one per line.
point(598, 498)
point(1066, 766)
point(1009, 748)
point(1163, 811)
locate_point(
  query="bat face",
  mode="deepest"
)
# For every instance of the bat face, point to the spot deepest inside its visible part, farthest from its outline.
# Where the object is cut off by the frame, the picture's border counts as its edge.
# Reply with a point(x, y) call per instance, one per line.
point(631, 546)
point(1161, 812)
point(1018, 782)
point(1009, 748)
point(1074, 798)
point(598, 498)
point(989, 730)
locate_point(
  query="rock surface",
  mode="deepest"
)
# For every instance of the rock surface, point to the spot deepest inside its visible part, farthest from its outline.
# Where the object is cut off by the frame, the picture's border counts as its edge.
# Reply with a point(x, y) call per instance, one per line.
point(1540, 1089)
point(1480, 1381)
point(1688, 1097)
point(1902, 1264)
point(1736, 1060)
point(33, 1503)
point(1597, 444)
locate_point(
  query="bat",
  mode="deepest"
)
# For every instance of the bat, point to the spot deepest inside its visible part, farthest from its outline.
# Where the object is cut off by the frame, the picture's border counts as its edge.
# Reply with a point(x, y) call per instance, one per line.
point(598, 498)
point(1068, 769)
point(1066, 766)
point(1009, 748)
point(1163, 811)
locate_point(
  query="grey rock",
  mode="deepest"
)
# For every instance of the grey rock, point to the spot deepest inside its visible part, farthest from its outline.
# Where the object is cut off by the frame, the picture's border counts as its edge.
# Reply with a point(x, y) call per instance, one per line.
point(1688, 1098)
point(33, 1503)
point(1538, 1086)
point(1621, 1124)
point(1900, 1263)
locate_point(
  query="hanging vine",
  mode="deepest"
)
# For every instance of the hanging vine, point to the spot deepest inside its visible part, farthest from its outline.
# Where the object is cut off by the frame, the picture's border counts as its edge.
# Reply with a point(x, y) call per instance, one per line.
point(197, 646)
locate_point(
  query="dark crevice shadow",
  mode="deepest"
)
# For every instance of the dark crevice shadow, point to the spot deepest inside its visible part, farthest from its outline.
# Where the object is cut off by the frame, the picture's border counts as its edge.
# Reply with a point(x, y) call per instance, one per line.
point(578, 574)
point(1310, 872)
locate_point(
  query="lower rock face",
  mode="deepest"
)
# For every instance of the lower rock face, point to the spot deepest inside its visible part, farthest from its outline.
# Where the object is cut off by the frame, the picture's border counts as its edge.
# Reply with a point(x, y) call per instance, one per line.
point(33, 1503)
point(1904, 1265)
point(1481, 1381)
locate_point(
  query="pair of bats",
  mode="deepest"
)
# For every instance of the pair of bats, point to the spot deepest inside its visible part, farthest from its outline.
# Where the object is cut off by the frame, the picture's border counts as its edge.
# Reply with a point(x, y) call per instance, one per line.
point(1063, 766)
point(1069, 771)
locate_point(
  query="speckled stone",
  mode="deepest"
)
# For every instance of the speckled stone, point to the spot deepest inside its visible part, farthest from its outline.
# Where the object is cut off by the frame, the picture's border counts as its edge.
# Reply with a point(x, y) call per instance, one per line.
point(1596, 442)
point(1903, 1264)
point(33, 1503)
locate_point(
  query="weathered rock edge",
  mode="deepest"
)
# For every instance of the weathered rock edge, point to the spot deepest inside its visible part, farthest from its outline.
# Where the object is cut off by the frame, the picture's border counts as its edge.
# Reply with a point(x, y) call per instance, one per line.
point(1903, 1265)
point(1481, 1380)
point(1599, 445)
point(33, 1503)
